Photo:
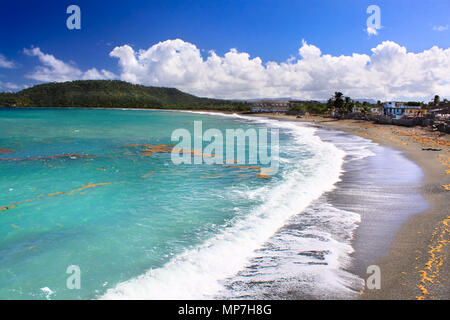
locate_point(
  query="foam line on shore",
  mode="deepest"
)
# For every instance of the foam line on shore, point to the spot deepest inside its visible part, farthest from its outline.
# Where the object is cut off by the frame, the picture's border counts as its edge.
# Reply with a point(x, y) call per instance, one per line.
point(199, 271)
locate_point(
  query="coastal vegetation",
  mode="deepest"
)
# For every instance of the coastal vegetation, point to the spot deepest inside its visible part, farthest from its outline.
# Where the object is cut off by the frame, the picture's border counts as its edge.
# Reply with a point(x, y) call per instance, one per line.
point(343, 105)
point(309, 107)
point(112, 94)
point(339, 104)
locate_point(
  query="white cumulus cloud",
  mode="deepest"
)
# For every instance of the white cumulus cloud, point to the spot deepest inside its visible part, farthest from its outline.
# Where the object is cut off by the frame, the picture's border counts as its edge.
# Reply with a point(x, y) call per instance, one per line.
point(55, 70)
point(9, 86)
point(389, 72)
point(5, 63)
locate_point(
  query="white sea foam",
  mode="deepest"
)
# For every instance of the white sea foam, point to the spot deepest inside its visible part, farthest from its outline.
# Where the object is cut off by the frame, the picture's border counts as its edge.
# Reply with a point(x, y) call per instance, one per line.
point(47, 292)
point(305, 259)
point(205, 271)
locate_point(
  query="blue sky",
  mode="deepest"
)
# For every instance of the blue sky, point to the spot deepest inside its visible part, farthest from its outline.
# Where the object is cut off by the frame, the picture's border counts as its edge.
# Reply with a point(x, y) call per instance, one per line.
point(269, 29)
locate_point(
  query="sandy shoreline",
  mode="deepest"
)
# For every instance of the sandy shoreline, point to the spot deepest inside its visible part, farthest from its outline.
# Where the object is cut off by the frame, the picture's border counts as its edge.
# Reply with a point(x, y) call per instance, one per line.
point(416, 266)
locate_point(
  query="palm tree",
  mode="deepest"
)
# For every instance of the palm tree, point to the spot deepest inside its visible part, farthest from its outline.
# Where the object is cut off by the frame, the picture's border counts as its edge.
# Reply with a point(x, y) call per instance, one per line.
point(348, 105)
point(365, 109)
point(338, 102)
point(437, 99)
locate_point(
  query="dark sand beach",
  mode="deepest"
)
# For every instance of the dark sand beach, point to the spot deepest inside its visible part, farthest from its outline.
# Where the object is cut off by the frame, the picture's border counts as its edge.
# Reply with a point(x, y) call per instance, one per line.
point(415, 265)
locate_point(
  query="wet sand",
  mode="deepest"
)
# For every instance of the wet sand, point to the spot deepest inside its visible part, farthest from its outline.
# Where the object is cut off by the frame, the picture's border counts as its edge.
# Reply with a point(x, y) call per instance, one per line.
point(416, 265)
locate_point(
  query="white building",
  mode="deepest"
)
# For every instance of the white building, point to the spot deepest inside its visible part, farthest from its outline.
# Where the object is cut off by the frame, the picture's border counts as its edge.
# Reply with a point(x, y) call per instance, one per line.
point(269, 106)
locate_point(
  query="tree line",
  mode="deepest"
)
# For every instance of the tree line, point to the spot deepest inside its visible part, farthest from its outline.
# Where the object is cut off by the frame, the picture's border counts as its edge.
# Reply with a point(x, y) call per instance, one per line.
point(112, 94)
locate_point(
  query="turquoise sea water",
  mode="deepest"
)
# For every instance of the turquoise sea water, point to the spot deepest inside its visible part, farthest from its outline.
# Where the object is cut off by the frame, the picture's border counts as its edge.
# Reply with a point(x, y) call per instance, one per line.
point(137, 225)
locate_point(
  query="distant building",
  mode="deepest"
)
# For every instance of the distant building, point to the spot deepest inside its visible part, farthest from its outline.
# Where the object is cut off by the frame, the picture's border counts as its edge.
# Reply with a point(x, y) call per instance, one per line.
point(281, 106)
point(376, 110)
point(266, 106)
point(442, 110)
point(372, 110)
point(399, 110)
point(303, 102)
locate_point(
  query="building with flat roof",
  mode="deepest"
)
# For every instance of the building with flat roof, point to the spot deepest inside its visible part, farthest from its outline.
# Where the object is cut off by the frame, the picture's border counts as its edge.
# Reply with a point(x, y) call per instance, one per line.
point(399, 110)
point(269, 106)
point(281, 106)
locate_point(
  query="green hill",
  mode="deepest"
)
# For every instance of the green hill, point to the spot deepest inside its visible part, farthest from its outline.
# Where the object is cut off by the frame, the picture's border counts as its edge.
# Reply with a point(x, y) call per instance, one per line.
point(112, 94)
